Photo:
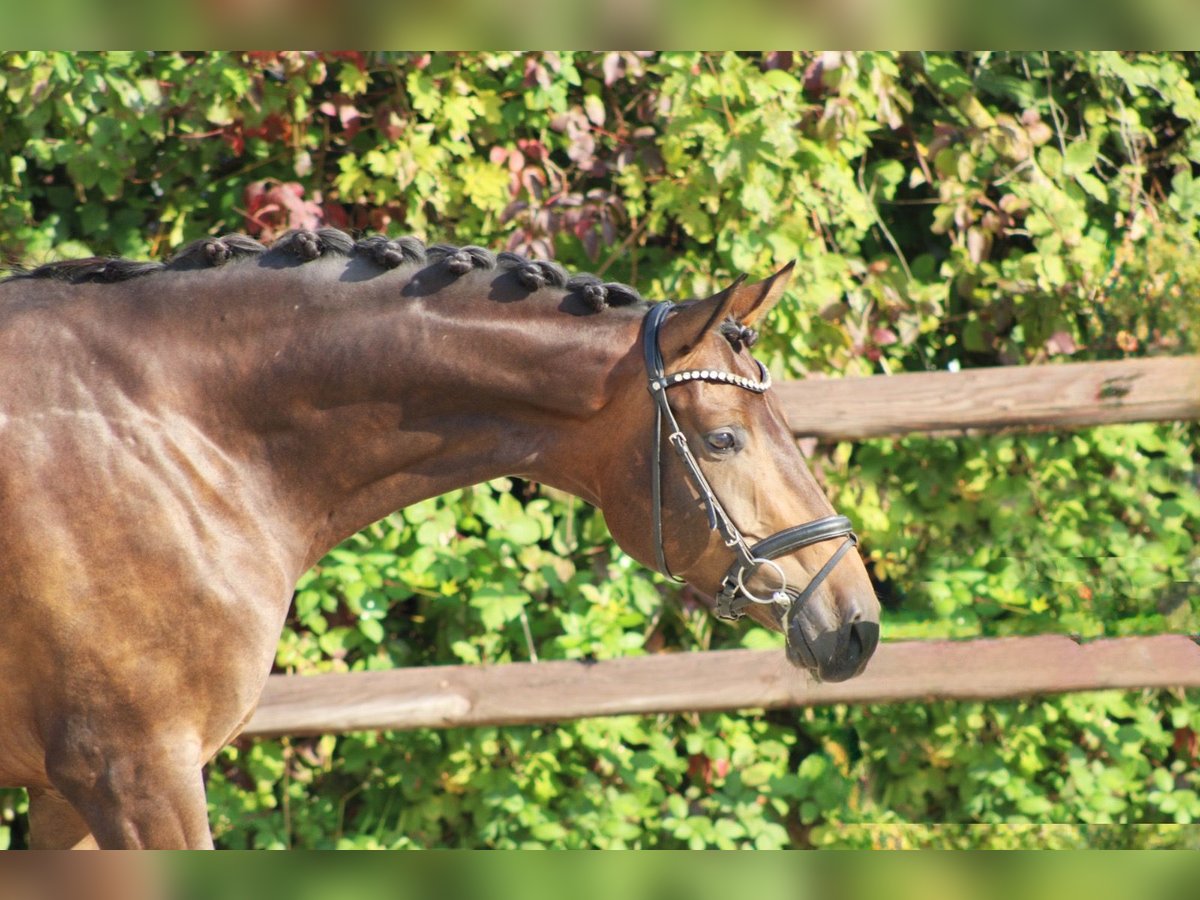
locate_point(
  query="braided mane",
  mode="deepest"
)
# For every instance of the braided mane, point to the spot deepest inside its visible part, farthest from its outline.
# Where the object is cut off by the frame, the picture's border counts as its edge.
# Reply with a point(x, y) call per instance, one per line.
point(302, 245)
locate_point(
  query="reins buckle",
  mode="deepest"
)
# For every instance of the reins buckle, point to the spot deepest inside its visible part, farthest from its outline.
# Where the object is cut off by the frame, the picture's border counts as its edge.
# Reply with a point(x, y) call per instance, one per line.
point(725, 610)
point(731, 588)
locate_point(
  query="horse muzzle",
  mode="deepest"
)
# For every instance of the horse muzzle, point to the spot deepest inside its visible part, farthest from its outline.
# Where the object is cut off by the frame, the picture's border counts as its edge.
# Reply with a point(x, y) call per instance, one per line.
point(830, 654)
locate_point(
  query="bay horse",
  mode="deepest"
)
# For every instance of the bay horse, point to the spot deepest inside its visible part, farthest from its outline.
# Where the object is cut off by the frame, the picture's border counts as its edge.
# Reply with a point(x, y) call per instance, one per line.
point(180, 441)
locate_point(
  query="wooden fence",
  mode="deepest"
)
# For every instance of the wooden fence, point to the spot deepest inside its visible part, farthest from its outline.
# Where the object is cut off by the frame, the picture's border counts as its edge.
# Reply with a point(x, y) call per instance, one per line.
point(1060, 396)
point(515, 693)
point(1071, 395)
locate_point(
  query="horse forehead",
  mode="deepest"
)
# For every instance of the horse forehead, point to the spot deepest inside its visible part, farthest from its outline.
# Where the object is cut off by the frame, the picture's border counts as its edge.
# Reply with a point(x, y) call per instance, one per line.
point(709, 403)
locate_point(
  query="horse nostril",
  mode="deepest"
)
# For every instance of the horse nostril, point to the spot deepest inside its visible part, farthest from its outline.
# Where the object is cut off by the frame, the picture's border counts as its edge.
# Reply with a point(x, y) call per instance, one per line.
point(854, 614)
point(867, 636)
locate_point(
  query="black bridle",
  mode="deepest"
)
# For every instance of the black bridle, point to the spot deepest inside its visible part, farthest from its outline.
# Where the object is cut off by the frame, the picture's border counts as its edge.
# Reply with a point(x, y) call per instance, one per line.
point(733, 597)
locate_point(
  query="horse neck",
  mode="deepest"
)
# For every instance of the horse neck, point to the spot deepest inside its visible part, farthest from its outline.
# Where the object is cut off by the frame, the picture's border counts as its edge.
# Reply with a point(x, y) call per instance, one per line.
point(363, 400)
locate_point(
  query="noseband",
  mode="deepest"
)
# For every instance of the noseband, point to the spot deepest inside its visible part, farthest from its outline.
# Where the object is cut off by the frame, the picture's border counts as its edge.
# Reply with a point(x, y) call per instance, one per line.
point(733, 597)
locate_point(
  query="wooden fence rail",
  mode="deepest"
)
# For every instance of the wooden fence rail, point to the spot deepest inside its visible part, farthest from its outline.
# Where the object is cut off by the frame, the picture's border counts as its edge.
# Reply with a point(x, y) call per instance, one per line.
point(1065, 396)
point(516, 693)
point(1069, 395)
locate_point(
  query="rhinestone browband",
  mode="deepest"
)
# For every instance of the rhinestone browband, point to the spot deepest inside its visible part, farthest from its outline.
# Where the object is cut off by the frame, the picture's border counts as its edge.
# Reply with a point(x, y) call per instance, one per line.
point(720, 377)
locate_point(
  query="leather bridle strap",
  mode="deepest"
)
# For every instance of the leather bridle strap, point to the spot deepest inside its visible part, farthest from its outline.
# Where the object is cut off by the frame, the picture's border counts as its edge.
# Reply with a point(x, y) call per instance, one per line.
point(731, 606)
point(747, 559)
point(654, 366)
point(718, 519)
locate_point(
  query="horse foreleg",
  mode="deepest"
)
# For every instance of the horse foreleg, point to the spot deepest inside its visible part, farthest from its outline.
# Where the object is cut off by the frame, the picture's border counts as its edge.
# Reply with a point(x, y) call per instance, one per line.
point(54, 824)
point(137, 797)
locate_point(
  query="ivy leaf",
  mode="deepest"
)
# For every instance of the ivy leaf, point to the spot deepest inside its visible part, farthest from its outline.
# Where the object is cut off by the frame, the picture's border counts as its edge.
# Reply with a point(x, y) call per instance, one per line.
point(372, 630)
point(1079, 158)
point(423, 94)
point(497, 606)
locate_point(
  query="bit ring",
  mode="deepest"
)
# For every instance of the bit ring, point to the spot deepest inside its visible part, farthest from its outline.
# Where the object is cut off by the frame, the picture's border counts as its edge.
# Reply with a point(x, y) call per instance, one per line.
point(775, 598)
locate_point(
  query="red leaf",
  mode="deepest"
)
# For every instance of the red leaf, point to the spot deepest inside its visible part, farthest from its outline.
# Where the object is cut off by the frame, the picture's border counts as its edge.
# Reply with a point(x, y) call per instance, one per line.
point(534, 181)
point(272, 208)
point(354, 56)
point(535, 73)
point(532, 149)
point(1061, 343)
point(779, 59)
point(234, 138)
point(1187, 743)
point(389, 123)
point(591, 244)
point(613, 66)
point(253, 194)
point(334, 214)
point(814, 77)
point(883, 337)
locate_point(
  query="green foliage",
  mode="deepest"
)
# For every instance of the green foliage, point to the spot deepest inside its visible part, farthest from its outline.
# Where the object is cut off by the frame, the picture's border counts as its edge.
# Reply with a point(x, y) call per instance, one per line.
point(948, 210)
point(1090, 533)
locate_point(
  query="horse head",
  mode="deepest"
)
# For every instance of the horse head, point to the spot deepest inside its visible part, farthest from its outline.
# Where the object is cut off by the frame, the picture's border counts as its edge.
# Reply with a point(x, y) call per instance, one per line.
point(725, 499)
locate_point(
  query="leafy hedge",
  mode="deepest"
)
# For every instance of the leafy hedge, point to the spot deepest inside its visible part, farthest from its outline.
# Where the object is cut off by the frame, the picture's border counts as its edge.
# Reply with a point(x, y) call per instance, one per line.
point(948, 210)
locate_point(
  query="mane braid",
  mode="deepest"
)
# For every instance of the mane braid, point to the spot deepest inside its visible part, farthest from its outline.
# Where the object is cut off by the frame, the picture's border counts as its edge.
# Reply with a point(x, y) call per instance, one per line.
point(390, 254)
point(599, 294)
point(461, 260)
point(92, 270)
point(533, 274)
point(304, 245)
point(307, 245)
point(208, 253)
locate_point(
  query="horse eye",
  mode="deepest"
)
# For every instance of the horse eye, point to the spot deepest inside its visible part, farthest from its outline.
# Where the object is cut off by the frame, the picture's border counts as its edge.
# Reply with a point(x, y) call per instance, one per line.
point(721, 441)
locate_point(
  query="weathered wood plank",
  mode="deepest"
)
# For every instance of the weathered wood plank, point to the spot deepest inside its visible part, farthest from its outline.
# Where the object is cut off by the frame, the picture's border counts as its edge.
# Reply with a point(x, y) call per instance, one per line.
point(448, 696)
point(1068, 395)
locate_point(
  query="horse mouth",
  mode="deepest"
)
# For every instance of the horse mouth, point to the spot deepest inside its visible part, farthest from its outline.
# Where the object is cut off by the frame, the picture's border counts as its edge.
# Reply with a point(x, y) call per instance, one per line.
point(798, 652)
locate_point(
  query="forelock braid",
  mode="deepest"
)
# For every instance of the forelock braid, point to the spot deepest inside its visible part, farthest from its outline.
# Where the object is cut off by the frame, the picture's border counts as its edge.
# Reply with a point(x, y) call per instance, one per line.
point(738, 335)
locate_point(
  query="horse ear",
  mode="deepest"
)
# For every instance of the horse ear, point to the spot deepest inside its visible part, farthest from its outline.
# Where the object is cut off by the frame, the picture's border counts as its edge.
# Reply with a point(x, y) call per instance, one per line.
point(749, 303)
point(745, 303)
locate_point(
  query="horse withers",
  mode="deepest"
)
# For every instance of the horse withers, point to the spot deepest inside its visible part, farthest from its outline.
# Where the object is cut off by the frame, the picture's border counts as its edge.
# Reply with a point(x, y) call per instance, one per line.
point(180, 441)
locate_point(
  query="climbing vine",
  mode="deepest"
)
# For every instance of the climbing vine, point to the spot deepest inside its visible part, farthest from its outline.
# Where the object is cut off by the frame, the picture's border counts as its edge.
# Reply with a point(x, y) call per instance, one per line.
point(948, 210)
